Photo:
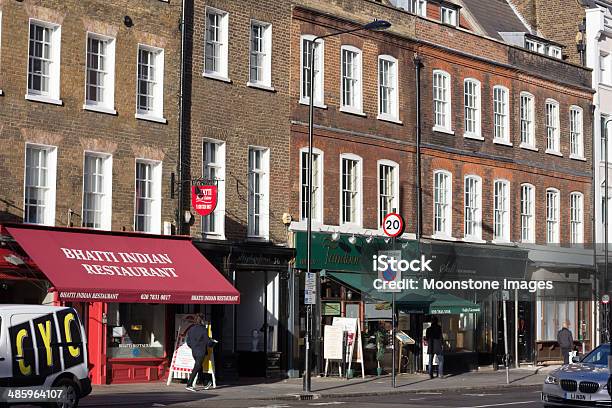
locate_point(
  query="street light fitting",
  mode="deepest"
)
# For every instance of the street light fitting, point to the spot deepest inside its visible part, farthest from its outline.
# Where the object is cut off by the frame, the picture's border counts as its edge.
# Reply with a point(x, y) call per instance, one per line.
point(377, 25)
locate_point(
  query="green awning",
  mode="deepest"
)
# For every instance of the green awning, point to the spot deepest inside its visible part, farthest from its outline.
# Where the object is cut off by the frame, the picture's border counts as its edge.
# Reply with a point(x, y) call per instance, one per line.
point(428, 301)
point(445, 303)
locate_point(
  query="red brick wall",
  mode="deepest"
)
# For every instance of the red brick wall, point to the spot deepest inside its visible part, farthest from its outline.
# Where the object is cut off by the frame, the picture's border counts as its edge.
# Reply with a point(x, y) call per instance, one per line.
point(74, 130)
point(373, 139)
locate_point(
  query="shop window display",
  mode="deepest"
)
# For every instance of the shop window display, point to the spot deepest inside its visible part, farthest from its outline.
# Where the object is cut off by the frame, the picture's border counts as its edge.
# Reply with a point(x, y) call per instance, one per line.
point(136, 330)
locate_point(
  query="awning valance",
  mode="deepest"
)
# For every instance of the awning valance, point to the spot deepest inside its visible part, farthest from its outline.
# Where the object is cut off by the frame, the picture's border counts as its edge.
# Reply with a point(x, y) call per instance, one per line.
point(85, 265)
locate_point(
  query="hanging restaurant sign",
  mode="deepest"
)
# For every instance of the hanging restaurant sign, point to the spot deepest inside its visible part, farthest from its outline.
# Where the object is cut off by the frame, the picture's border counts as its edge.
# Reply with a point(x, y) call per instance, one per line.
point(204, 196)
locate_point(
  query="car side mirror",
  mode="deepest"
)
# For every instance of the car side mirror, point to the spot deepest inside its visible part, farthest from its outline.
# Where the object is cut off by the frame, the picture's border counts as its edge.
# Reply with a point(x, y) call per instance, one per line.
point(576, 359)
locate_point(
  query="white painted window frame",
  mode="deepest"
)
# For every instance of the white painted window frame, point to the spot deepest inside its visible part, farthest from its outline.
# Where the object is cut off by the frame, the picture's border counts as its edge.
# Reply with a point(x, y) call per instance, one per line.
point(576, 223)
point(359, 199)
point(266, 81)
point(503, 116)
point(264, 209)
point(49, 211)
point(156, 168)
point(527, 121)
point(504, 237)
point(477, 109)
point(477, 234)
point(222, 73)
point(157, 114)
point(318, 208)
point(319, 77)
point(107, 183)
point(393, 114)
point(220, 166)
point(396, 189)
point(446, 102)
point(108, 105)
point(576, 133)
point(552, 126)
point(52, 96)
point(553, 236)
point(528, 213)
point(357, 106)
point(448, 210)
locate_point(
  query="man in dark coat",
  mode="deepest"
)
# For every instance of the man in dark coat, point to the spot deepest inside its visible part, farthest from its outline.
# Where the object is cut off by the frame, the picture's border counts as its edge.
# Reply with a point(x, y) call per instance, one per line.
point(566, 342)
point(199, 342)
point(433, 335)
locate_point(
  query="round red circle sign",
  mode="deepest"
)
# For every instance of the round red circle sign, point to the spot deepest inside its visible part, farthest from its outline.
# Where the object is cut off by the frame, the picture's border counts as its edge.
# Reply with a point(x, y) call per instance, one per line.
point(393, 225)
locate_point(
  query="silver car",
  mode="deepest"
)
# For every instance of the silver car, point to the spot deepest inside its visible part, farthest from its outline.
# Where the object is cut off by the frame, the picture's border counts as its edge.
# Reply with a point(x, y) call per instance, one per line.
point(582, 383)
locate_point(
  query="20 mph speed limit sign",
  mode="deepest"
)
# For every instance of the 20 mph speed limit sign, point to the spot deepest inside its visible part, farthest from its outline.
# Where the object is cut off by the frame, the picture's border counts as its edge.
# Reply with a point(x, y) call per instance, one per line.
point(393, 225)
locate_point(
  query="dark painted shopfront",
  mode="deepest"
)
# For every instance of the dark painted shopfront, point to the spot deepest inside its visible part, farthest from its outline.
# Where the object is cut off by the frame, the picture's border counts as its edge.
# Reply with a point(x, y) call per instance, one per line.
point(470, 318)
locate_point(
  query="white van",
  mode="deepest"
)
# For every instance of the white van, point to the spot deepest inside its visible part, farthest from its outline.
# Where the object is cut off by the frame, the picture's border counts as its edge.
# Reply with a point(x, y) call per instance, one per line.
point(42, 347)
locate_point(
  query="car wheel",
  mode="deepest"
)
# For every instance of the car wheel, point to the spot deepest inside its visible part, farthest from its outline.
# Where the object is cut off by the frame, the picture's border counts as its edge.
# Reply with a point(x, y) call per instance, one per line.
point(71, 394)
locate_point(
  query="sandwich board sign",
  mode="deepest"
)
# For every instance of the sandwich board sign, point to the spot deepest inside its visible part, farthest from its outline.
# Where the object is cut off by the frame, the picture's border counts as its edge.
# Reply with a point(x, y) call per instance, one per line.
point(351, 326)
point(182, 358)
point(333, 342)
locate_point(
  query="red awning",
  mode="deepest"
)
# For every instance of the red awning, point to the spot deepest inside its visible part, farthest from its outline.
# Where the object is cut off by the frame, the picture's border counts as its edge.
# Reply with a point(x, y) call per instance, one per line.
point(84, 265)
point(17, 266)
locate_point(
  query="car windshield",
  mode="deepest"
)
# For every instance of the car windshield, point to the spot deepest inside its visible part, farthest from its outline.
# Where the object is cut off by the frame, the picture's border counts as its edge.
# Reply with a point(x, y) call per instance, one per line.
point(599, 356)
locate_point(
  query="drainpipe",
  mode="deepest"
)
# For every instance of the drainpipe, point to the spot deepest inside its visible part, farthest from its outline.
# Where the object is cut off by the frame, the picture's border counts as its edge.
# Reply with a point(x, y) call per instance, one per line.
point(417, 71)
point(180, 164)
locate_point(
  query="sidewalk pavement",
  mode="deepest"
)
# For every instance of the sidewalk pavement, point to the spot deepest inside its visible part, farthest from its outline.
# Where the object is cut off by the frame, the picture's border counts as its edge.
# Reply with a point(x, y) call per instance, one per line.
point(291, 389)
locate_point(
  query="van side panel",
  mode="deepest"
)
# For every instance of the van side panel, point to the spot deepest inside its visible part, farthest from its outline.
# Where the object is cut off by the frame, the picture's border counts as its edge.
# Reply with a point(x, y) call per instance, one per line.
point(23, 355)
point(73, 349)
point(47, 345)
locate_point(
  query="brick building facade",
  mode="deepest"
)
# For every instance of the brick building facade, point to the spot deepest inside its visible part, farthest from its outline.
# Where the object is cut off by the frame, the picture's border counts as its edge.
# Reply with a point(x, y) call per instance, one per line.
point(493, 152)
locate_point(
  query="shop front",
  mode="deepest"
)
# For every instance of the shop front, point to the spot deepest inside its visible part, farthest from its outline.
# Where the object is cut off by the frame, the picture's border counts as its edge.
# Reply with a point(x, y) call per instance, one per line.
point(128, 289)
point(255, 334)
point(469, 318)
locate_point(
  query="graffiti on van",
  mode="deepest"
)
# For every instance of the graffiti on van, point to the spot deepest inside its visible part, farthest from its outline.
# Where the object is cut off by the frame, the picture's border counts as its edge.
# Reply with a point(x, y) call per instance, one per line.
point(48, 339)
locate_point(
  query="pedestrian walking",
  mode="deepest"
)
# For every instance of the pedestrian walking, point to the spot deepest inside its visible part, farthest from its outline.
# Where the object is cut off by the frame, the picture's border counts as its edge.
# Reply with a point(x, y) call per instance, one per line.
point(433, 335)
point(199, 342)
point(566, 342)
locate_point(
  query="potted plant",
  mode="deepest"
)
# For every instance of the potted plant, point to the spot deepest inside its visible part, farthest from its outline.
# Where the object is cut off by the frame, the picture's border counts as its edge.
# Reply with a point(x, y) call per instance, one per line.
point(381, 343)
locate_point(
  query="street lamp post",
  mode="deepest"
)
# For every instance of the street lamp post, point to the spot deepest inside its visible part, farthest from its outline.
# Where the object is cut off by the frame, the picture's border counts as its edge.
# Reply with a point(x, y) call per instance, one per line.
point(375, 25)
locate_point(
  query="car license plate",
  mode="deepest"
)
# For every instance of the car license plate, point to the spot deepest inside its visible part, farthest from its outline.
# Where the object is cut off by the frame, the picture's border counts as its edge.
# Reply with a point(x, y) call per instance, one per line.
point(577, 396)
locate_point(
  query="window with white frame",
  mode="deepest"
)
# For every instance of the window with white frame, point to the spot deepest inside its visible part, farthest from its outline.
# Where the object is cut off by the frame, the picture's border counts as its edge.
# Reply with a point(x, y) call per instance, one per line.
point(418, 7)
point(552, 126)
point(351, 79)
point(216, 43)
point(604, 130)
point(147, 208)
point(442, 203)
point(259, 199)
point(306, 41)
point(150, 89)
point(473, 208)
point(100, 73)
point(471, 97)
point(552, 216)
point(527, 120)
point(39, 186)
point(448, 15)
point(554, 51)
point(527, 213)
point(535, 46)
point(213, 169)
point(388, 107)
point(576, 139)
point(442, 100)
point(317, 185)
point(388, 189)
point(97, 190)
point(576, 218)
point(44, 62)
point(501, 211)
point(604, 68)
point(501, 128)
point(261, 54)
point(350, 191)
